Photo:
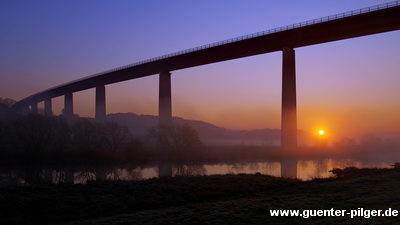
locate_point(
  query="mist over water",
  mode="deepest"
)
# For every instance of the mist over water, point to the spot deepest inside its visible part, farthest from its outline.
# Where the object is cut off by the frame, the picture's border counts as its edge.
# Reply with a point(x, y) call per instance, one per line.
point(37, 149)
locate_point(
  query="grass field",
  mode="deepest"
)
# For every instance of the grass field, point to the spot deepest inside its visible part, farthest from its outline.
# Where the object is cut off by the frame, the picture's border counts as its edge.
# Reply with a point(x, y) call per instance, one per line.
point(222, 199)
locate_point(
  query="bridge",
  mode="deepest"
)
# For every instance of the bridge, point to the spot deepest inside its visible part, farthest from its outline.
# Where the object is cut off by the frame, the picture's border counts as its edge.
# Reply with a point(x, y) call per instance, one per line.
point(356, 23)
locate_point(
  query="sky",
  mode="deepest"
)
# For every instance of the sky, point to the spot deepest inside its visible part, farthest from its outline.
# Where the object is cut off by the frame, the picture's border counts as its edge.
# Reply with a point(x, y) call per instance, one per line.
point(345, 87)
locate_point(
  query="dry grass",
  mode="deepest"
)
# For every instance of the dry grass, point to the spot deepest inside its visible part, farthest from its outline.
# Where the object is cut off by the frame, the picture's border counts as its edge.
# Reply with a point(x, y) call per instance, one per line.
point(227, 199)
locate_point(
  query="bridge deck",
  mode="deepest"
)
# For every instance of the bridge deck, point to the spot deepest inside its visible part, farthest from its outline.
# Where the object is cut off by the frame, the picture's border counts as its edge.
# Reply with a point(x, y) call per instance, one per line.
point(373, 20)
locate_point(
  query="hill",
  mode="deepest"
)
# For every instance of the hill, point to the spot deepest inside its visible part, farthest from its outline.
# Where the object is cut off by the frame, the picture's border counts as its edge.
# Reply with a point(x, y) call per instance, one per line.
point(209, 133)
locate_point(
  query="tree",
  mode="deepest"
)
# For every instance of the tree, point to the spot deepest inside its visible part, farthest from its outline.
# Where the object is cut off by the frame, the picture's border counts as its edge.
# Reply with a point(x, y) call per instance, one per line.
point(179, 140)
point(36, 133)
point(2, 135)
point(114, 136)
point(7, 112)
point(7, 102)
point(59, 134)
point(32, 133)
point(86, 136)
point(134, 149)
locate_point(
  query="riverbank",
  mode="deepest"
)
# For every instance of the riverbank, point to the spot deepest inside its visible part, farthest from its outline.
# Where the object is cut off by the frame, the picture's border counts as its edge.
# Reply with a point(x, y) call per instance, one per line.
point(220, 199)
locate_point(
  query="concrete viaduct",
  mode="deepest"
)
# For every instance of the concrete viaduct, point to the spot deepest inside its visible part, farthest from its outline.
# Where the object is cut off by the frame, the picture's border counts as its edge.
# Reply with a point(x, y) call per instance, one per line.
point(366, 21)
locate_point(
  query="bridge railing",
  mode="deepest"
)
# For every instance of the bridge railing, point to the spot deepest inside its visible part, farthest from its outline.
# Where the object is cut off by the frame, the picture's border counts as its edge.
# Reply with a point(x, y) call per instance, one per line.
point(261, 33)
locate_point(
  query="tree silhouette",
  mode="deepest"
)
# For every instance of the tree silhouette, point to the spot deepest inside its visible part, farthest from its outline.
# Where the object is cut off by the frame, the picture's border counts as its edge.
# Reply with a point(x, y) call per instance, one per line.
point(32, 133)
point(179, 140)
point(114, 136)
point(7, 112)
point(36, 133)
point(59, 134)
point(86, 136)
point(7, 102)
point(2, 136)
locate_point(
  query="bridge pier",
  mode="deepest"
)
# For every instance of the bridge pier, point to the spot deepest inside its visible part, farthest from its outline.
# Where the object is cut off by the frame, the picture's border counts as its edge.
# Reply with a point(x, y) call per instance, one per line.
point(289, 168)
point(34, 108)
point(165, 170)
point(165, 102)
point(69, 177)
point(289, 108)
point(100, 113)
point(68, 106)
point(48, 107)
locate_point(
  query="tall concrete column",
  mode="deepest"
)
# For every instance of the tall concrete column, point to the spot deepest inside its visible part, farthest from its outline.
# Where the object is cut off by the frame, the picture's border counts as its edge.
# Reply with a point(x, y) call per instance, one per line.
point(164, 104)
point(289, 110)
point(68, 106)
point(100, 113)
point(34, 108)
point(48, 107)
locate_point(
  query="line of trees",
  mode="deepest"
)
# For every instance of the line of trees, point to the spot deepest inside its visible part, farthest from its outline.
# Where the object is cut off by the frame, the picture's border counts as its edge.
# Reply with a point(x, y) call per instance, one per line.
point(177, 142)
point(35, 137)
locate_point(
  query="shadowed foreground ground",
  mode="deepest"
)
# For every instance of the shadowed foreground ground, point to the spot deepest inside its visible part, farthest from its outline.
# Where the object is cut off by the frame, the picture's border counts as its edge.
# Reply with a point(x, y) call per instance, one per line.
point(226, 199)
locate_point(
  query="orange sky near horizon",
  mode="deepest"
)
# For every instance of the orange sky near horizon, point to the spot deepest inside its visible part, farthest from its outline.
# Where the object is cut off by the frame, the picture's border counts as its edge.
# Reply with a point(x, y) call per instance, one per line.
point(239, 95)
point(246, 93)
point(347, 87)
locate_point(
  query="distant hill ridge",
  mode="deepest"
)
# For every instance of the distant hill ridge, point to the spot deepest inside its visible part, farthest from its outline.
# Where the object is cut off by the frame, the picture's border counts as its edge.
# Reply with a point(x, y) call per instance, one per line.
point(209, 133)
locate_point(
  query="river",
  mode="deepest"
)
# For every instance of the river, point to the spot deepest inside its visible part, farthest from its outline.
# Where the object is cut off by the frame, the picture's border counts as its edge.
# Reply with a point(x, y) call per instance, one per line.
point(81, 174)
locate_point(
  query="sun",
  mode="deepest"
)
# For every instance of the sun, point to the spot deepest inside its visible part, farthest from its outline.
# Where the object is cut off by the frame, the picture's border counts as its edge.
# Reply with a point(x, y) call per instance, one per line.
point(321, 132)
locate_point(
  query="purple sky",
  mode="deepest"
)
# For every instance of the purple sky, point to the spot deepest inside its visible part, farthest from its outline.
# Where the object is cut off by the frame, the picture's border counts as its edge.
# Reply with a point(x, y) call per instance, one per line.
point(344, 87)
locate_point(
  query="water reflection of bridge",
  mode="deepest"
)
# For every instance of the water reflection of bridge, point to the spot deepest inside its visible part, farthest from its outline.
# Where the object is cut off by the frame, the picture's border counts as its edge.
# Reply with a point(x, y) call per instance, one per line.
point(303, 169)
